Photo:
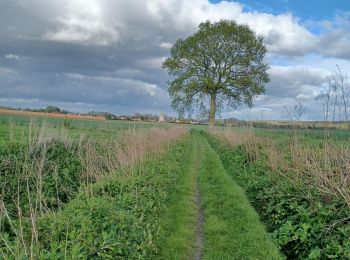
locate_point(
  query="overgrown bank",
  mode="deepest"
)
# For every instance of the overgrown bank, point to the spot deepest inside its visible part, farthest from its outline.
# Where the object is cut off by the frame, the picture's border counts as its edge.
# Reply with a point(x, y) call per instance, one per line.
point(285, 187)
point(115, 212)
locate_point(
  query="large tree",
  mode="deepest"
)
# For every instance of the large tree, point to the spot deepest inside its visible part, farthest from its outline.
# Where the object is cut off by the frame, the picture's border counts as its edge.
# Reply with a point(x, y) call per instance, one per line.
point(222, 63)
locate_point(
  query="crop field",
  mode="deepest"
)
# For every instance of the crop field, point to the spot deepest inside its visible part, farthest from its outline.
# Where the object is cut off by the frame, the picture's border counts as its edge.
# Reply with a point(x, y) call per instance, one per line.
point(77, 189)
point(28, 114)
point(75, 123)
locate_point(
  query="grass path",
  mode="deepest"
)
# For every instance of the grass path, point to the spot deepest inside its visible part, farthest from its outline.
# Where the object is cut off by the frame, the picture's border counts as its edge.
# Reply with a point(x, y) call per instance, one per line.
point(211, 218)
point(200, 220)
point(180, 223)
point(232, 229)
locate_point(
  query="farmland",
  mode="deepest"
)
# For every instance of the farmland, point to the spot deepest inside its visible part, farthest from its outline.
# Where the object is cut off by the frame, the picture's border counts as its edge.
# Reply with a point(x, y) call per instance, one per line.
point(82, 189)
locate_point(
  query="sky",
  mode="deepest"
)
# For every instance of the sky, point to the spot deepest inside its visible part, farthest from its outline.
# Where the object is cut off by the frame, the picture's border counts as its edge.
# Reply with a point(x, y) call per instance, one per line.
point(104, 55)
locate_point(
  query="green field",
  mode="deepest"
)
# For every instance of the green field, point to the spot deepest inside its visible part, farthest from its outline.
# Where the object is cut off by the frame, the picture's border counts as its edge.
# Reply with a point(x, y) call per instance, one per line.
point(134, 190)
point(76, 123)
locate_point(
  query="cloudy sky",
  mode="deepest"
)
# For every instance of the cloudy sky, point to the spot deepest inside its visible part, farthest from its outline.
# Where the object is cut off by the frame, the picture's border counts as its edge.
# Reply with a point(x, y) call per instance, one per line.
point(105, 55)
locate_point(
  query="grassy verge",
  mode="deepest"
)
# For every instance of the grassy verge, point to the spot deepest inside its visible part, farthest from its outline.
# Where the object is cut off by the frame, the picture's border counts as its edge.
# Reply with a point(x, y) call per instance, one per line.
point(232, 229)
point(305, 223)
point(42, 168)
point(180, 221)
point(121, 217)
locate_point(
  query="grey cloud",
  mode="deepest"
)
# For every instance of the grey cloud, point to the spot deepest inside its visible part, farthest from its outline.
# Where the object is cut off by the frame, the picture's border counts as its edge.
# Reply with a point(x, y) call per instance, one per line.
point(288, 86)
point(336, 44)
point(273, 107)
point(76, 88)
point(12, 56)
point(296, 82)
point(335, 38)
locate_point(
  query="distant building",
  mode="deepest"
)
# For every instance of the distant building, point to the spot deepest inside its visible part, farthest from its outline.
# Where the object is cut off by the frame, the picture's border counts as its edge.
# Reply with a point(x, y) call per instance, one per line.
point(161, 118)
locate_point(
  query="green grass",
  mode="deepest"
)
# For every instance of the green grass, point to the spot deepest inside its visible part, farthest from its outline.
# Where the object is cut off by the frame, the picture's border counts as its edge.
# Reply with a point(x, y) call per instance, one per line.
point(120, 217)
point(232, 229)
point(75, 123)
point(18, 127)
point(180, 221)
point(308, 136)
point(299, 224)
point(107, 125)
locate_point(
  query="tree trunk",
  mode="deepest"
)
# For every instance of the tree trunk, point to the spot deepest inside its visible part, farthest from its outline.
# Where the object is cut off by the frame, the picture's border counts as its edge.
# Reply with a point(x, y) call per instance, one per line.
point(212, 110)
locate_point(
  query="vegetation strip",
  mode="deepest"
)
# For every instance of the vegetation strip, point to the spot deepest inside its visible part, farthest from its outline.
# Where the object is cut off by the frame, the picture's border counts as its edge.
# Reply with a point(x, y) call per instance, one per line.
point(305, 219)
point(120, 217)
point(180, 221)
point(232, 229)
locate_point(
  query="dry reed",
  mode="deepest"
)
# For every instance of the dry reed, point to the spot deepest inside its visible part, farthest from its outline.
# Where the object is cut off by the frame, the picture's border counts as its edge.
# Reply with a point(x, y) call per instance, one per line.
point(326, 169)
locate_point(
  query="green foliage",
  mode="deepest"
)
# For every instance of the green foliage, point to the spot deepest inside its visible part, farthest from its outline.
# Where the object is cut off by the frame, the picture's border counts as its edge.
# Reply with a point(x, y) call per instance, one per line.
point(305, 227)
point(67, 123)
point(59, 175)
point(119, 217)
point(223, 61)
point(109, 116)
point(52, 109)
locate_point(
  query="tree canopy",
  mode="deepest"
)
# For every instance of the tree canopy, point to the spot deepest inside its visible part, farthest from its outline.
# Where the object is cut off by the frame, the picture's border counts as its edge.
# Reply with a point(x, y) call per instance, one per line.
point(222, 62)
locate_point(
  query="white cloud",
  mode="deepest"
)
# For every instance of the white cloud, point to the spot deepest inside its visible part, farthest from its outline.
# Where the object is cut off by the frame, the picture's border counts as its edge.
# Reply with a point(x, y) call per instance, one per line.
point(128, 72)
point(11, 56)
point(104, 22)
point(289, 85)
point(83, 31)
point(153, 63)
point(300, 82)
point(282, 33)
point(83, 21)
point(165, 45)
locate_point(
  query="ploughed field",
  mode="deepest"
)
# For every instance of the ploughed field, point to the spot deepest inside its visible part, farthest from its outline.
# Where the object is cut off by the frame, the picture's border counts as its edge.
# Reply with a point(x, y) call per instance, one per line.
point(72, 189)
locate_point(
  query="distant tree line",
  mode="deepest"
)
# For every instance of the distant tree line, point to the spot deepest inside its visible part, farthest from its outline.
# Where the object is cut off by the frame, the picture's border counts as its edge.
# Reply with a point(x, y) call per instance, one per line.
point(335, 98)
point(109, 116)
point(48, 109)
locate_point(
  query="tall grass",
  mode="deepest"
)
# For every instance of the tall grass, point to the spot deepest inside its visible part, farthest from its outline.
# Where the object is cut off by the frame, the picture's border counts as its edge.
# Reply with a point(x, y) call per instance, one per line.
point(325, 166)
point(44, 167)
point(299, 186)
